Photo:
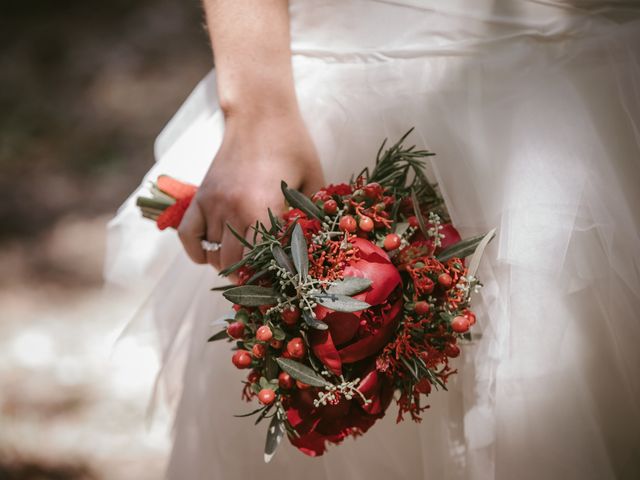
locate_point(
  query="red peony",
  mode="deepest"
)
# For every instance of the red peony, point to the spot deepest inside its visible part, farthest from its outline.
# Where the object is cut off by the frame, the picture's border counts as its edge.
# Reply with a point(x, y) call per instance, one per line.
point(317, 426)
point(352, 337)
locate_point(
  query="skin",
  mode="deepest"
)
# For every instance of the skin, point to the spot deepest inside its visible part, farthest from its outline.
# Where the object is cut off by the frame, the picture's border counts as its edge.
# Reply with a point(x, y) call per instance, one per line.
point(265, 139)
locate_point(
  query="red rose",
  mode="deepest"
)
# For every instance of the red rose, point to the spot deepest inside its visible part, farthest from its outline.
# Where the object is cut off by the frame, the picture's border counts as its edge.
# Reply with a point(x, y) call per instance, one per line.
point(352, 337)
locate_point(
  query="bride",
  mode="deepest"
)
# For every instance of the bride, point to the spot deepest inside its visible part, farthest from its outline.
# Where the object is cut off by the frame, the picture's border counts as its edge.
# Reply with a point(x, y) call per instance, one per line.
point(533, 110)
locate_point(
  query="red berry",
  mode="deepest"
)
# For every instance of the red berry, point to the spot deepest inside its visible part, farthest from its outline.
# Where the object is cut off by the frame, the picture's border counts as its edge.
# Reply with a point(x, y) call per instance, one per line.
point(469, 315)
point(258, 350)
point(263, 308)
point(301, 386)
point(413, 221)
point(445, 280)
point(241, 359)
point(424, 356)
point(347, 224)
point(423, 386)
point(392, 241)
point(460, 324)
point(372, 190)
point(290, 315)
point(266, 396)
point(264, 334)
point(277, 344)
point(236, 330)
point(296, 348)
point(451, 350)
point(330, 207)
point(421, 307)
point(285, 381)
point(365, 224)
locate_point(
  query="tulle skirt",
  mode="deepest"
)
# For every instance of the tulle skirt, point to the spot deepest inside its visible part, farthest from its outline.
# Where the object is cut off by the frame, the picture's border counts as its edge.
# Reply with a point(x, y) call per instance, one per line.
point(533, 110)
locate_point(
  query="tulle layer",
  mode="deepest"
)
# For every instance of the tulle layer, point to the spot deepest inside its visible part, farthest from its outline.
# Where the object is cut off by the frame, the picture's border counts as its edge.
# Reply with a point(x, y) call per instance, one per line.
point(536, 134)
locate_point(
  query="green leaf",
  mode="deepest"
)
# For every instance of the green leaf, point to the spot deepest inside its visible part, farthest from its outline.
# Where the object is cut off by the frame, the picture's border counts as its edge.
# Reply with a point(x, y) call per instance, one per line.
point(302, 373)
point(275, 433)
point(313, 322)
point(418, 212)
point(278, 333)
point(282, 258)
point(275, 222)
point(155, 204)
point(299, 252)
point(251, 295)
point(411, 368)
point(462, 249)
point(242, 415)
point(256, 276)
point(271, 367)
point(239, 237)
point(300, 201)
point(477, 254)
point(221, 335)
point(222, 288)
point(263, 414)
point(349, 286)
point(340, 303)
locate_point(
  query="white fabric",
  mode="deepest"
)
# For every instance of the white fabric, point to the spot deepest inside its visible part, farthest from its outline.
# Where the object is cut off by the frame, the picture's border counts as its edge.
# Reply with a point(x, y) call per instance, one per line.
point(533, 108)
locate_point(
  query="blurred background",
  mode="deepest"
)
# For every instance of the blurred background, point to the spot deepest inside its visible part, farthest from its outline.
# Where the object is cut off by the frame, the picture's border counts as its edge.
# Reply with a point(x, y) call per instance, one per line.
point(85, 86)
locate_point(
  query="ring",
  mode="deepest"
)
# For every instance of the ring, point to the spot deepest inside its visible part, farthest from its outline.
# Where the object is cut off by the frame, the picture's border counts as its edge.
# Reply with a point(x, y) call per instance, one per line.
point(210, 246)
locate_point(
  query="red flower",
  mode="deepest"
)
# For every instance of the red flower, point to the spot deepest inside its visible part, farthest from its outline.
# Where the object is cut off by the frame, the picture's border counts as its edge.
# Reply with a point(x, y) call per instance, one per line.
point(332, 423)
point(451, 236)
point(309, 226)
point(341, 189)
point(352, 337)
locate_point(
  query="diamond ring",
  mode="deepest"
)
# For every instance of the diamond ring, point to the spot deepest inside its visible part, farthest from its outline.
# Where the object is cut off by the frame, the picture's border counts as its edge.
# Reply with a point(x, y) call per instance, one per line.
point(210, 246)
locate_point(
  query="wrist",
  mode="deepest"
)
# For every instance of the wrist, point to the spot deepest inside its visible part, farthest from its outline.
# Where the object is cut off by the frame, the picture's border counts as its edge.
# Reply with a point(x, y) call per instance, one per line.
point(256, 103)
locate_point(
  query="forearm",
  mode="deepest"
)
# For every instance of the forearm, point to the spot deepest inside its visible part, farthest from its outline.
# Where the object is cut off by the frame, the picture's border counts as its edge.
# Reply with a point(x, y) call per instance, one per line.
point(251, 44)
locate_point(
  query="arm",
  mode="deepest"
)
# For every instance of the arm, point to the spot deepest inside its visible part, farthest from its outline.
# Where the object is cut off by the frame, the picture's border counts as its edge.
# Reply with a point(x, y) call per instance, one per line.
point(265, 139)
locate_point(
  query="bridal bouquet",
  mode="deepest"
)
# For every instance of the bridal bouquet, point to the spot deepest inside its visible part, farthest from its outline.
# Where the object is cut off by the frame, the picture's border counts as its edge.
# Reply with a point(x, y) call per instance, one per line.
point(354, 294)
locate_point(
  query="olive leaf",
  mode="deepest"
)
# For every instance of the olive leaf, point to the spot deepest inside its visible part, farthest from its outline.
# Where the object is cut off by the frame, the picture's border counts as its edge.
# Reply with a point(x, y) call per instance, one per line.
point(299, 252)
point(222, 288)
point(313, 322)
point(251, 295)
point(302, 373)
point(271, 367)
point(274, 437)
point(221, 335)
point(418, 213)
point(349, 286)
point(281, 258)
point(340, 303)
point(300, 201)
point(477, 255)
point(462, 249)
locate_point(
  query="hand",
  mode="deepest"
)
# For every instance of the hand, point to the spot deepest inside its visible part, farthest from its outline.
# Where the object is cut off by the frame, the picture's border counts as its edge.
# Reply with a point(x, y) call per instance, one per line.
point(244, 180)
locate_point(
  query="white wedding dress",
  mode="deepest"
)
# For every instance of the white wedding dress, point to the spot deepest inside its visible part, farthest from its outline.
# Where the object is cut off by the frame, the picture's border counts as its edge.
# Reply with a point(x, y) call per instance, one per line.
point(533, 109)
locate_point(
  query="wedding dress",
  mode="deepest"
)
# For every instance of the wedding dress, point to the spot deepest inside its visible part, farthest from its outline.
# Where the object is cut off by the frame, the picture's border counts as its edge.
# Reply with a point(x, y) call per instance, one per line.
point(533, 109)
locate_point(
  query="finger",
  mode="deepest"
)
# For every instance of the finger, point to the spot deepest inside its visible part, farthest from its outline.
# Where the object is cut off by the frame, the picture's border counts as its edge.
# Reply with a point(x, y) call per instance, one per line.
point(232, 248)
point(214, 234)
point(191, 231)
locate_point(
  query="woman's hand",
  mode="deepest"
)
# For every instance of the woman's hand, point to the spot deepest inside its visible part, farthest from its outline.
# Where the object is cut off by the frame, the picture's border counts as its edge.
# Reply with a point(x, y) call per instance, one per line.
point(265, 139)
point(244, 180)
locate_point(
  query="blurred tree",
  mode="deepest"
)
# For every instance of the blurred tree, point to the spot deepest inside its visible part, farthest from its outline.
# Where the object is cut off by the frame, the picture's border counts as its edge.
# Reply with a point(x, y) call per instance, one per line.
point(84, 88)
